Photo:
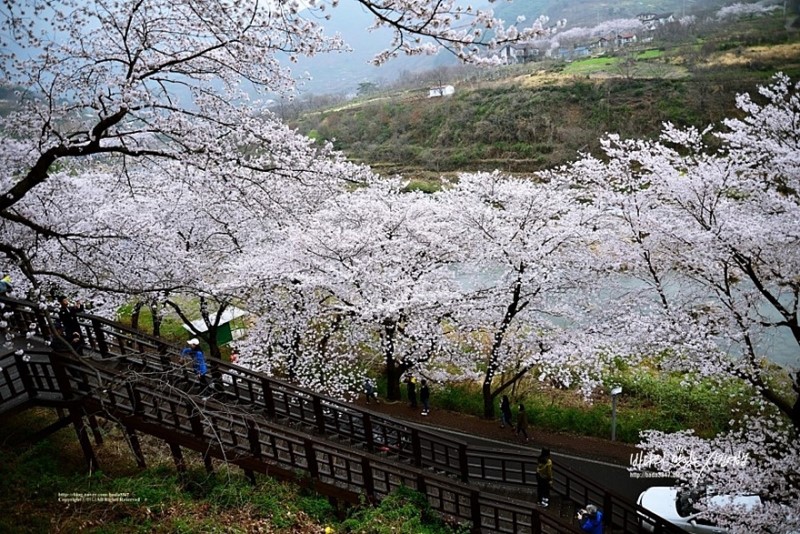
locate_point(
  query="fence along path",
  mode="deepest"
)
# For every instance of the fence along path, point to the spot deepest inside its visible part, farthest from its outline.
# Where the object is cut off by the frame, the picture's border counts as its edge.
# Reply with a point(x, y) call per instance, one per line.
point(248, 423)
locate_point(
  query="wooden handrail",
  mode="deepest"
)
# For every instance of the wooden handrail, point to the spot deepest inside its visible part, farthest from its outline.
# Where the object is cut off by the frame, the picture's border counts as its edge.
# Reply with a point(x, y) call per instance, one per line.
point(334, 469)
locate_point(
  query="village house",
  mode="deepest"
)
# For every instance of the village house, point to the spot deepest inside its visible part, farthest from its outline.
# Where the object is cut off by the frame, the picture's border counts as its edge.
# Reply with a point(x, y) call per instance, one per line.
point(441, 90)
point(625, 39)
point(518, 53)
point(651, 21)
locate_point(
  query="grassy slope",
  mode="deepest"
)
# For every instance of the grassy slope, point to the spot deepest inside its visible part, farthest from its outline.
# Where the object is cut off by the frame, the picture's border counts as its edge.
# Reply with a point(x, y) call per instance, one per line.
point(38, 480)
point(539, 115)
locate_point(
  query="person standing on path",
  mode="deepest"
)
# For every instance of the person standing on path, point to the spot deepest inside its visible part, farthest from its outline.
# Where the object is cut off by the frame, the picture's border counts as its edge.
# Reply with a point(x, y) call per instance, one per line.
point(505, 413)
point(522, 422)
point(68, 315)
point(411, 389)
point(544, 476)
point(425, 397)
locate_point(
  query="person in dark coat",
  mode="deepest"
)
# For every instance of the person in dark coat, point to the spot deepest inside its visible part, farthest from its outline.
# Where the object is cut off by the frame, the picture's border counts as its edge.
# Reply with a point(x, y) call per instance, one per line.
point(505, 413)
point(369, 390)
point(522, 422)
point(71, 328)
point(544, 476)
point(425, 397)
point(411, 389)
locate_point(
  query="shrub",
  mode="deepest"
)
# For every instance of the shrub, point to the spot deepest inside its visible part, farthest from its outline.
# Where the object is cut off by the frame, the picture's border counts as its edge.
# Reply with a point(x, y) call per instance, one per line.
point(402, 511)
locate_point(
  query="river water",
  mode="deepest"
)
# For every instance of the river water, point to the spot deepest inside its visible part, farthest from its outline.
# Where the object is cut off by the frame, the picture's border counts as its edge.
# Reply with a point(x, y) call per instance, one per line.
point(775, 344)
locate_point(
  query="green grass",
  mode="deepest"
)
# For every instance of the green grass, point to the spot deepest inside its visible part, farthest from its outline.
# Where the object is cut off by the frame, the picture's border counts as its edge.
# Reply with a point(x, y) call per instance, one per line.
point(650, 400)
point(584, 67)
point(404, 511)
point(171, 326)
point(33, 476)
point(650, 54)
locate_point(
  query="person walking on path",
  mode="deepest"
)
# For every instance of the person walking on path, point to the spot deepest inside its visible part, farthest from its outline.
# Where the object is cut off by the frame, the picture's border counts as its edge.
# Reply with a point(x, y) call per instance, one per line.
point(411, 389)
point(198, 361)
point(522, 422)
point(425, 397)
point(544, 476)
point(591, 519)
point(369, 390)
point(505, 412)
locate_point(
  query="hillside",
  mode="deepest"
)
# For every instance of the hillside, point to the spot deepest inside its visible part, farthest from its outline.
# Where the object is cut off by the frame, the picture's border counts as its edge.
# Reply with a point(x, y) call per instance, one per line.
point(522, 118)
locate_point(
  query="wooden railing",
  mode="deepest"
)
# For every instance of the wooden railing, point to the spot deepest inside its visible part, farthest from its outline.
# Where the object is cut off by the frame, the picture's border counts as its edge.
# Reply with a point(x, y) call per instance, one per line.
point(142, 402)
point(278, 401)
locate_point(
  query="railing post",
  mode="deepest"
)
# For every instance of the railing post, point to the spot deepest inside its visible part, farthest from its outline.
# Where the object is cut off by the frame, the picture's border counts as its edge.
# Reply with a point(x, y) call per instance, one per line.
point(61, 376)
point(475, 510)
point(25, 374)
point(83, 438)
point(369, 481)
point(194, 420)
point(136, 447)
point(311, 459)
point(41, 321)
point(416, 447)
point(269, 398)
point(177, 457)
point(99, 334)
point(252, 438)
point(197, 429)
point(536, 522)
point(319, 415)
point(136, 399)
point(608, 509)
point(463, 462)
point(422, 486)
point(370, 439)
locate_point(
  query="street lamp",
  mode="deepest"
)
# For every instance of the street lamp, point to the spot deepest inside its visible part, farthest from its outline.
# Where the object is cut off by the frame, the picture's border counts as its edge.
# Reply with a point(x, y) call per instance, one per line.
point(615, 391)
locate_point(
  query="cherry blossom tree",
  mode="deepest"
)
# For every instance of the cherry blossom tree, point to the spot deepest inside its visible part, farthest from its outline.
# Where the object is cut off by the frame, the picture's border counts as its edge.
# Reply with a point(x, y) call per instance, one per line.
point(707, 259)
point(119, 86)
point(531, 240)
point(740, 10)
point(372, 267)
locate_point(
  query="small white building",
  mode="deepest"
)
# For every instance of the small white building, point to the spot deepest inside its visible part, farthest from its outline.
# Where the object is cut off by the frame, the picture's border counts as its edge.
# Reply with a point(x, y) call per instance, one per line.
point(231, 325)
point(441, 90)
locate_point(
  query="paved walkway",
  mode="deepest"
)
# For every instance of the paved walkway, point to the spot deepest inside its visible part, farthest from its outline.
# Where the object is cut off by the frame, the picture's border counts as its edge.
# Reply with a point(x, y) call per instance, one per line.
point(601, 460)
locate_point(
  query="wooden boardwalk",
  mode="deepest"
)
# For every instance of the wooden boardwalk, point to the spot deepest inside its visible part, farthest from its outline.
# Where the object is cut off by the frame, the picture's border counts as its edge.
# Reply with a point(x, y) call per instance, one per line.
point(269, 426)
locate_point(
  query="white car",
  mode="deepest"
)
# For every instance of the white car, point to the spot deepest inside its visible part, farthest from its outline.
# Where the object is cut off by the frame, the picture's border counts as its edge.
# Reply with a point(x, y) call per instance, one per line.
point(677, 507)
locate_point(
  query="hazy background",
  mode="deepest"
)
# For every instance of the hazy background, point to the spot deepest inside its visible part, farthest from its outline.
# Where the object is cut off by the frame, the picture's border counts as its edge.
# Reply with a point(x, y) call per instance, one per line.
point(341, 73)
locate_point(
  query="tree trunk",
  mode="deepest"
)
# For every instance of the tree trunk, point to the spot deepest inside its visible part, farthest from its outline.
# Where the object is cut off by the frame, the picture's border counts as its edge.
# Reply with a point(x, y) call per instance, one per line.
point(514, 308)
point(156, 319)
point(488, 401)
point(393, 376)
point(394, 370)
point(135, 314)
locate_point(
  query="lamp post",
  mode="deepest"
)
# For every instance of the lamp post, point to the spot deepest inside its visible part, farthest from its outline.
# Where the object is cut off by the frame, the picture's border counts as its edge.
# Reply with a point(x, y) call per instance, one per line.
point(615, 391)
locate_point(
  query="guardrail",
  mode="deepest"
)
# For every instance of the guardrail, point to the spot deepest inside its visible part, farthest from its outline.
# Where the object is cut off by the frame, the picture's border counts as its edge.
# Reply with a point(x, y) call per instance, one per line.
point(278, 400)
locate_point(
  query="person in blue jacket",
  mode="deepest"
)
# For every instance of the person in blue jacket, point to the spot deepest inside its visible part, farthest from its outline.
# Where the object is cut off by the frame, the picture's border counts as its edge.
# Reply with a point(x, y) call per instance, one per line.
point(198, 360)
point(591, 519)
